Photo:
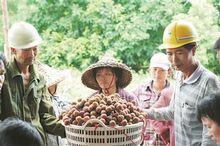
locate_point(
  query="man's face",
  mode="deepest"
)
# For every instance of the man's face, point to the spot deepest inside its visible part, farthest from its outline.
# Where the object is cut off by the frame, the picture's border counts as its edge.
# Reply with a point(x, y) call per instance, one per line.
point(180, 58)
point(25, 56)
point(213, 129)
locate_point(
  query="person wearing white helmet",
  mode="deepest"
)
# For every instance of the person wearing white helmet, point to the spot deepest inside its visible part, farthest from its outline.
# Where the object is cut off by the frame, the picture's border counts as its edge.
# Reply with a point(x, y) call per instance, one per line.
point(156, 92)
point(193, 83)
point(23, 93)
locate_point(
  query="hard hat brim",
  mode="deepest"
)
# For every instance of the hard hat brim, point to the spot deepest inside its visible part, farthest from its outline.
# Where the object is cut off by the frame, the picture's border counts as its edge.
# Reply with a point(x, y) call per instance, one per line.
point(35, 43)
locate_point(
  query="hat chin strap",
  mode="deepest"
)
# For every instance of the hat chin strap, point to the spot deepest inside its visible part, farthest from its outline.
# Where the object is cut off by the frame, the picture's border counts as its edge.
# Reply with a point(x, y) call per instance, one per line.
point(106, 90)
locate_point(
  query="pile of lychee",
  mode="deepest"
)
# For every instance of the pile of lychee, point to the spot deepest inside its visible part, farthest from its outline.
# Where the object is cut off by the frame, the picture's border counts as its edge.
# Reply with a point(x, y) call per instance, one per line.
point(111, 110)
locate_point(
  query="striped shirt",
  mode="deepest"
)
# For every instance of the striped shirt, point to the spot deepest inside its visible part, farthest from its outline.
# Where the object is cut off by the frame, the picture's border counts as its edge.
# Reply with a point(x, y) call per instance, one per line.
point(183, 108)
point(147, 98)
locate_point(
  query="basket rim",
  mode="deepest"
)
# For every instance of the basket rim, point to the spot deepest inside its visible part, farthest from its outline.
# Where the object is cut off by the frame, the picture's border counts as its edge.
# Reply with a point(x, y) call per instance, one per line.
point(107, 126)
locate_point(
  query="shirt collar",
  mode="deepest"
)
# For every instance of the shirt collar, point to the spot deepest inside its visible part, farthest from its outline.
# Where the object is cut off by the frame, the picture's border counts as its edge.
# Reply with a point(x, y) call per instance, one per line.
point(16, 72)
point(149, 85)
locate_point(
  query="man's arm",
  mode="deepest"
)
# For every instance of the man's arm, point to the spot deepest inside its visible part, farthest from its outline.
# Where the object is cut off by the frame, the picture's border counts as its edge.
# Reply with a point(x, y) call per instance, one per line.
point(164, 113)
point(49, 121)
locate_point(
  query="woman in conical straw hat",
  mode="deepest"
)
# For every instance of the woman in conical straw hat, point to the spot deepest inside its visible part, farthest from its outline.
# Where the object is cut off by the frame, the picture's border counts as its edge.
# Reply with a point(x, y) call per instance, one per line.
point(108, 76)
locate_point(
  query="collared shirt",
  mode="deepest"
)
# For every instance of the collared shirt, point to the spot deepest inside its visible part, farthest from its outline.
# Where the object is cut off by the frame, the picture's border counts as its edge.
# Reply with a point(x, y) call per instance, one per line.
point(29, 104)
point(147, 98)
point(183, 108)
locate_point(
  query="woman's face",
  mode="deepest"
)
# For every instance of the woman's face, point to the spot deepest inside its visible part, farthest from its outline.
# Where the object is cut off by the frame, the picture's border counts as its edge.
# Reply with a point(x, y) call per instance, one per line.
point(213, 129)
point(158, 74)
point(106, 78)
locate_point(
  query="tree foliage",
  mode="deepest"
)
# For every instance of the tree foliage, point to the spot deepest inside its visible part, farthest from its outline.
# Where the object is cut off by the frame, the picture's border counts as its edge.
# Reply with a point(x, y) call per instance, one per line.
point(77, 32)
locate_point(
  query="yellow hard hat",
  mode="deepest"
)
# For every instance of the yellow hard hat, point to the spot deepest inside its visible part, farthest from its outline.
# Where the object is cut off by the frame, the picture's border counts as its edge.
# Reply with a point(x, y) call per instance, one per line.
point(23, 35)
point(179, 33)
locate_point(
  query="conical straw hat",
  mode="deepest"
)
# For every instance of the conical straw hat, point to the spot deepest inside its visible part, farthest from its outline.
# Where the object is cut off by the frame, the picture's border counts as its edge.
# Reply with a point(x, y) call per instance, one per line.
point(88, 77)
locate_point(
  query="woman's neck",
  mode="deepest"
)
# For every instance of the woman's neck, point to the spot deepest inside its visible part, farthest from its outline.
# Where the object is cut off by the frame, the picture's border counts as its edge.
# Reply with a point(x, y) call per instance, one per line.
point(158, 86)
point(110, 90)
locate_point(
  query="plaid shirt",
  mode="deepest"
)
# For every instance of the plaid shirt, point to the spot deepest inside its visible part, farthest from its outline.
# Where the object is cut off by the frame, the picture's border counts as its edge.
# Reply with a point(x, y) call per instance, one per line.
point(183, 108)
point(147, 98)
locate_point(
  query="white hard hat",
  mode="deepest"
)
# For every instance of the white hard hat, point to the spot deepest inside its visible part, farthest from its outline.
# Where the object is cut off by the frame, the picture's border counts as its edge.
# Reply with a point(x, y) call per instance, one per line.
point(23, 35)
point(160, 60)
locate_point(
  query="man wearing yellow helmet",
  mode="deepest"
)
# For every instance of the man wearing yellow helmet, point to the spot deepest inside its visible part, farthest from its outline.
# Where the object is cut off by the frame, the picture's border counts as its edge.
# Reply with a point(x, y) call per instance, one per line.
point(193, 82)
point(23, 93)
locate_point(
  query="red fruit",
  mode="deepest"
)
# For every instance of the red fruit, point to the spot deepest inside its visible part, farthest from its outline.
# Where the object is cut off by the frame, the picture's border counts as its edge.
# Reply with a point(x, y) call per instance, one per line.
point(81, 113)
point(79, 119)
point(86, 118)
point(103, 120)
point(108, 109)
point(86, 108)
point(66, 121)
point(112, 123)
point(93, 113)
point(119, 107)
point(74, 122)
point(124, 122)
point(93, 117)
point(120, 118)
point(103, 112)
point(136, 120)
point(76, 113)
point(86, 114)
point(95, 104)
point(104, 116)
point(98, 109)
point(133, 115)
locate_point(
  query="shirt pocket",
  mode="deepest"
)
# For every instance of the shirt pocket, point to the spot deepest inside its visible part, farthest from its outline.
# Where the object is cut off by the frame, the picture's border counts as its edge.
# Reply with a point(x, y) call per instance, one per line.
point(189, 117)
point(35, 103)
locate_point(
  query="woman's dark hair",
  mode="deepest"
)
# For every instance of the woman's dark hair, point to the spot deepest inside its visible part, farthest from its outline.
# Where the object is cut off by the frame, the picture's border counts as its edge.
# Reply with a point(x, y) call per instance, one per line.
point(115, 70)
point(15, 132)
point(209, 107)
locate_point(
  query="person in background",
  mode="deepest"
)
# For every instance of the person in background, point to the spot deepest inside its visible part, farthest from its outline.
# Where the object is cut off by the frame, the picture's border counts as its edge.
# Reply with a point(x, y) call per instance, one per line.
point(156, 92)
point(108, 76)
point(15, 132)
point(3, 63)
point(217, 48)
point(23, 94)
point(193, 83)
point(53, 77)
point(208, 114)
